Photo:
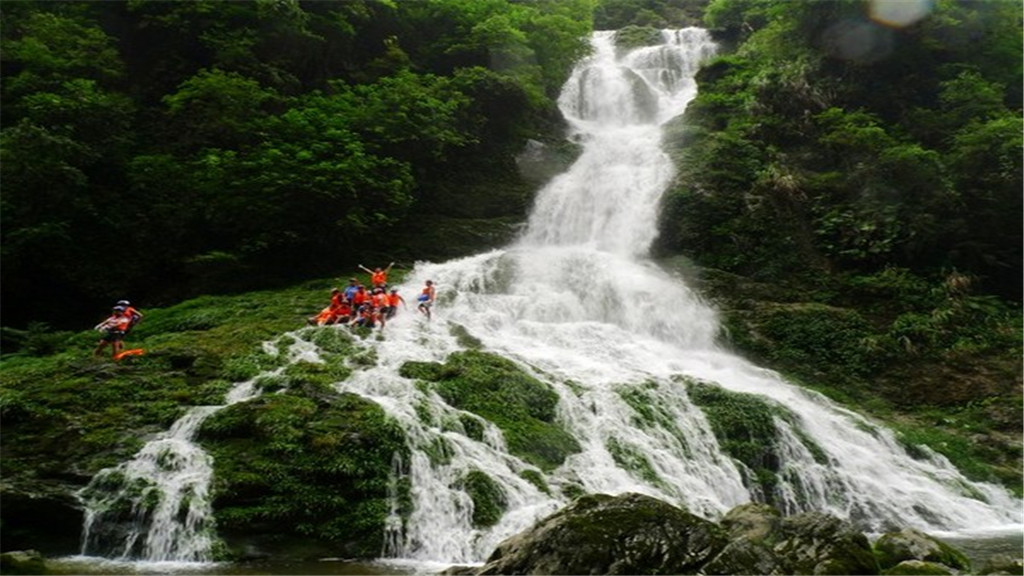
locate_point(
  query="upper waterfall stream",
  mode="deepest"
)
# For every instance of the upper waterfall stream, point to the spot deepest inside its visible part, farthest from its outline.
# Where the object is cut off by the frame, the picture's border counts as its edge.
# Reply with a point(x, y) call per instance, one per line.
point(576, 302)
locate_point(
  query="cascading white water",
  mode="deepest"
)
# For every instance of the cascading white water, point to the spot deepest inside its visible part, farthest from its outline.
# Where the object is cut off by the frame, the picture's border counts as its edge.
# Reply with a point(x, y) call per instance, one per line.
point(156, 507)
point(576, 303)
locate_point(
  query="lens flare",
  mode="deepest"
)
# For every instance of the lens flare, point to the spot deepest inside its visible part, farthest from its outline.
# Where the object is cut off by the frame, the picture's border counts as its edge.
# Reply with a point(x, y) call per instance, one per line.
point(899, 13)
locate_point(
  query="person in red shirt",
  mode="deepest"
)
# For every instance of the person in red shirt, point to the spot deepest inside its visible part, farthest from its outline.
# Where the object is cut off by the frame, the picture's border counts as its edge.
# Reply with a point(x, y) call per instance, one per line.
point(113, 329)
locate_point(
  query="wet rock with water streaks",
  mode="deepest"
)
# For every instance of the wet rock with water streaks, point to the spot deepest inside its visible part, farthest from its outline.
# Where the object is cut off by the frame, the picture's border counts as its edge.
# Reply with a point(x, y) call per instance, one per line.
point(601, 534)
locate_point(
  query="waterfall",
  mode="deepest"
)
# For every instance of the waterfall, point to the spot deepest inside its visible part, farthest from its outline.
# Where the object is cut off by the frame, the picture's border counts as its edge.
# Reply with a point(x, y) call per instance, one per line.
point(156, 507)
point(576, 303)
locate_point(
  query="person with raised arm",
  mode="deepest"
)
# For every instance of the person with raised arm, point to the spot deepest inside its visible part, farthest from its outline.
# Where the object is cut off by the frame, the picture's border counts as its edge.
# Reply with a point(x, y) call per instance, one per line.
point(378, 276)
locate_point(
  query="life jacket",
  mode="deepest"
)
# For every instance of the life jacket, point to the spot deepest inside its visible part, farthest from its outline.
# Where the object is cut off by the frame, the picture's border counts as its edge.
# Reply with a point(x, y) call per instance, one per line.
point(380, 300)
point(360, 297)
point(379, 278)
point(118, 323)
point(133, 315)
point(337, 299)
point(393, 299)
point(324, 316)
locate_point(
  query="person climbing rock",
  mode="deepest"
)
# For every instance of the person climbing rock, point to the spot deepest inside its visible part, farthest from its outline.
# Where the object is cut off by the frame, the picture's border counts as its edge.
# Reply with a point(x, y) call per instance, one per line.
point(133, 314)
point(393, 299)
point(113, 328)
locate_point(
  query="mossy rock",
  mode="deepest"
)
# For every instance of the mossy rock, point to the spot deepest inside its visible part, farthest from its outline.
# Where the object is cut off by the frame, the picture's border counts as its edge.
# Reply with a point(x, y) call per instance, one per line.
point(496, 389)
point(306, 462)
point(23, 562)
point(745, 429)
point(815, 543)
point(489, 500)
point(602, 534)
point(918, 567)
point(894, 548)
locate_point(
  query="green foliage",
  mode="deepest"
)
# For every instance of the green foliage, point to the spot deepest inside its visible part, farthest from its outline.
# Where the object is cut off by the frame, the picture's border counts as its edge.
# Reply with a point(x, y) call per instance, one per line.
point(499, 391)
point(173, 149)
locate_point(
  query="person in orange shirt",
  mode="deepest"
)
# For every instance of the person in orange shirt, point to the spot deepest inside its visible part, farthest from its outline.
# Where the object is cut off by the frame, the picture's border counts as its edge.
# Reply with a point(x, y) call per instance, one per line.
point(391, 308)
point(360, 297)
point(426, 298)
point(378, 276)
point(114, 328)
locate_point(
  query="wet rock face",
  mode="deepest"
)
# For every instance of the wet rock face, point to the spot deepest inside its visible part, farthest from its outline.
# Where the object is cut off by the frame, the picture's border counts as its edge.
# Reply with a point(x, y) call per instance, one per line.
point(601, 534)
point(48, 519)
point(636, 534)
point(912, 545)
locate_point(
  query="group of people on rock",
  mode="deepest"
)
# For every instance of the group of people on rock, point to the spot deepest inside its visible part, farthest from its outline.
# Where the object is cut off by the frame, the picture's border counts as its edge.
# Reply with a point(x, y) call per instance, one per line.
point(122, 319)
point(357, 305)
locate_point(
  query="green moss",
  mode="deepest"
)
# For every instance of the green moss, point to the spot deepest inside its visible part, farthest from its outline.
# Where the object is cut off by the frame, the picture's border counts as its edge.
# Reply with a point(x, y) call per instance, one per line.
point(744, 427)
point(536, 478)
point(316, 374)
point(473, 427)
point(308, 461)
point(649, 412)
point(633, 459)
point(464, 338)
point(489, 500)
point(439, 451)
point(499, 391)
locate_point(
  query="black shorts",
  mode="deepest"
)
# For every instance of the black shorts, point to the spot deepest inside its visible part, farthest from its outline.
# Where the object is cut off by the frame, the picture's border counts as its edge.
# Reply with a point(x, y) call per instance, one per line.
point(113, 336)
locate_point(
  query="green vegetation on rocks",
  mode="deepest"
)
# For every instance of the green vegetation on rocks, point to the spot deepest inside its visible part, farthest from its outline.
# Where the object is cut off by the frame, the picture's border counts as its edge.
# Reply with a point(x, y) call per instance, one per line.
point(744, 425)
point(309, 462)
point(498, 390)
point(850, 211)
point(489, 500)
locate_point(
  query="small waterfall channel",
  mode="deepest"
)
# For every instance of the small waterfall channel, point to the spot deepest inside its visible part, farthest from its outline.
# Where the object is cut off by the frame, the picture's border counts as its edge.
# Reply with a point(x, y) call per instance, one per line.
point(626, 346)
point(156, 506)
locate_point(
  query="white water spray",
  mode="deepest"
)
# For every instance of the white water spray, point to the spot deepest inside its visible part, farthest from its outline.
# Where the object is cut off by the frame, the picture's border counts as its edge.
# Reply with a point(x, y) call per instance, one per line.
point(576, 303)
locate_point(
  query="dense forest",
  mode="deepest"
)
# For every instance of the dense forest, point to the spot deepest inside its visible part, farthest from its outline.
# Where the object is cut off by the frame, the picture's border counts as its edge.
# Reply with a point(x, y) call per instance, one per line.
point(160, 150)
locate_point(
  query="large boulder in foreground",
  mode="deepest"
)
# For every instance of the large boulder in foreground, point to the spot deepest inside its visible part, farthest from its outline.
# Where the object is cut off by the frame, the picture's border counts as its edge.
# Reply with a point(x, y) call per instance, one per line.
point(601, 534)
